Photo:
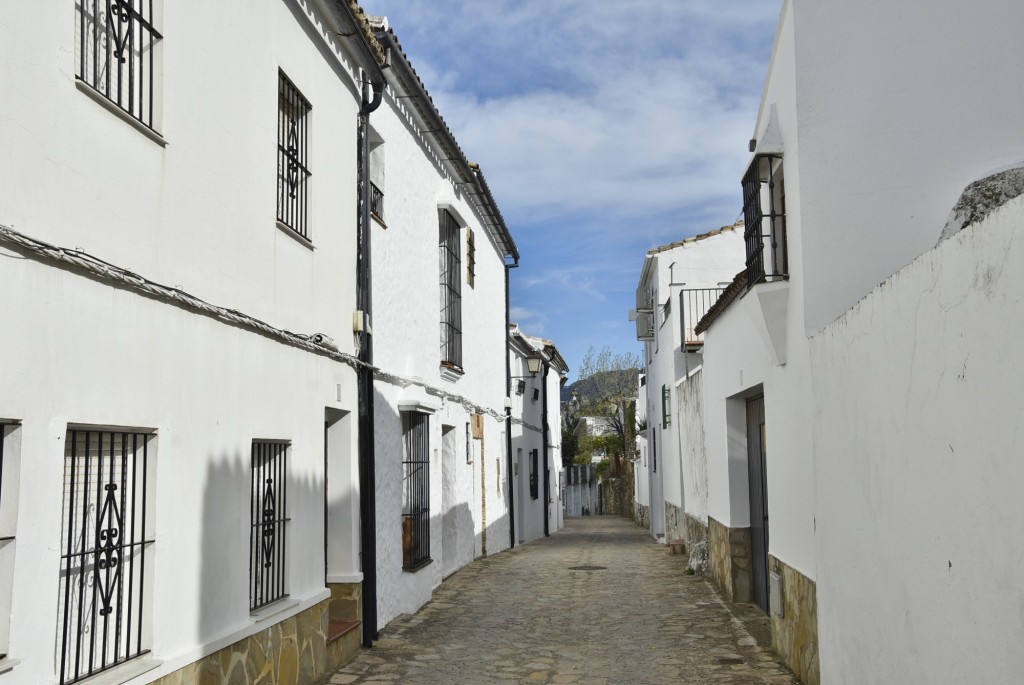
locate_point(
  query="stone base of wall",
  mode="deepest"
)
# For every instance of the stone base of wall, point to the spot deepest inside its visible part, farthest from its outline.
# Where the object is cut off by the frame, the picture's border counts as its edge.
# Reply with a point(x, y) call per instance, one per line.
point(674, 523)
point(795, 631)
point(695, 532)
point(729, 559)
point(296, 651)
point(642, 515)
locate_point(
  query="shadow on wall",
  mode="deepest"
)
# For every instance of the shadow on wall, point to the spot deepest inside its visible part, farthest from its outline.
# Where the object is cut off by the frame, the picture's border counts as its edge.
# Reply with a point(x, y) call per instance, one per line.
point(241, 564)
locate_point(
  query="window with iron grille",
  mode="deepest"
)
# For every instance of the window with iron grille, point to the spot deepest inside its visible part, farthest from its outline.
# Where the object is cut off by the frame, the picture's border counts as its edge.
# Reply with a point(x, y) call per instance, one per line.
point(451, 290)
point(9, 449)
point(764, 216)
point(415, 490)
point(534, 467)
point(470, 258)
point(292, 163)
point(118, 48)
point(268, 515)
point(105, 587)
point(666, 409)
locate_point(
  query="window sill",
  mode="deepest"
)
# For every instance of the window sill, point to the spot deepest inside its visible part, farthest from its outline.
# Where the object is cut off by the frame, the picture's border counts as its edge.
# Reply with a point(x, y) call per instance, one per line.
point(278, 607)
point(120, 113)
point(379, 220)
point(302, 240)
point(421, 565)
point(122, 673)
point(451, 372)
point(8, 664)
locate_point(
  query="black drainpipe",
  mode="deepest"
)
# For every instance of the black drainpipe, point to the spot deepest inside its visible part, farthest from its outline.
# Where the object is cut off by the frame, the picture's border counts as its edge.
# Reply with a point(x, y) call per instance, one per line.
point(544, 435)
point(364, 303)
point(508, 414)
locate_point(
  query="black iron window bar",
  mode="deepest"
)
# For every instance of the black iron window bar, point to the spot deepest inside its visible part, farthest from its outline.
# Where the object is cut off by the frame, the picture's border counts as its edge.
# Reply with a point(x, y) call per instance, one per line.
point(451, 291)
point(415, 491)
point(104, 551)
point(292, 162)
point(694, 303)
point(534, 466)
point(470, 258)
point(267, 537)
point(764, 215)
point(116, 45)
point(377, 202)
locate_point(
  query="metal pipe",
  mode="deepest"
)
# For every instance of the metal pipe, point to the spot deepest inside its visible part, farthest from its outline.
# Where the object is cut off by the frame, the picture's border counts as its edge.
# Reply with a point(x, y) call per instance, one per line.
point(364, 302)
point(547, 451)
point(508, 411)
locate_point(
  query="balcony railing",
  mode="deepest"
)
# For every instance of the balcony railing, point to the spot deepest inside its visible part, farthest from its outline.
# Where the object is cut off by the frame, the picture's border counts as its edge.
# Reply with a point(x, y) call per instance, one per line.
point(694, 303)
point(377, 202)
point(764, 215)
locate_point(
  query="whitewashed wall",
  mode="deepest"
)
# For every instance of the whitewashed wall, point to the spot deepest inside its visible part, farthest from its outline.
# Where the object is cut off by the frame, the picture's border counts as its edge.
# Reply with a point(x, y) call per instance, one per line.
point(406, 327)
point(79, 351)
point(529, 511)
point(738, 361)
point(920, 519)
point(884, 136)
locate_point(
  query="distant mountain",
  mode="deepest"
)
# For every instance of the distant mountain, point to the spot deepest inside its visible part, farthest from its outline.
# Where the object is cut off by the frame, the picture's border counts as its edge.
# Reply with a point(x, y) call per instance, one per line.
point(590, 386)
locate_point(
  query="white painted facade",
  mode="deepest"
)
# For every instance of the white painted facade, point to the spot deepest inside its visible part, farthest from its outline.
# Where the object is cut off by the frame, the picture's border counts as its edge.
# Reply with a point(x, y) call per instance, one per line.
point(880, 421)
point(528, 412)
point(191, 206)
point(683, 280)
point(641, 468)
point(468, 479)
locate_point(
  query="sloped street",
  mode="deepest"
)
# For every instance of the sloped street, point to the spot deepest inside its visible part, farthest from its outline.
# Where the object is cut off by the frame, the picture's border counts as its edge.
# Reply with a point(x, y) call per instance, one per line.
point(598, 603)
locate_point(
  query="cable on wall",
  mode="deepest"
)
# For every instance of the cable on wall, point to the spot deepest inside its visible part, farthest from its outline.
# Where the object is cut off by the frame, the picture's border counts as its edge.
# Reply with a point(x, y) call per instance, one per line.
point(316, 343)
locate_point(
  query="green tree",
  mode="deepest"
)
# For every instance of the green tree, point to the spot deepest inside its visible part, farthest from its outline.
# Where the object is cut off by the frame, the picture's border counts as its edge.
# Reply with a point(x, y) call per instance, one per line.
point(607, 390)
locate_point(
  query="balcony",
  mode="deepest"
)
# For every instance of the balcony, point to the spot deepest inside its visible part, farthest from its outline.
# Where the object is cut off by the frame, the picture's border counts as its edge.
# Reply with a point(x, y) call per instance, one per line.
point(377, 203)
point(764, 215)
point(694, 303)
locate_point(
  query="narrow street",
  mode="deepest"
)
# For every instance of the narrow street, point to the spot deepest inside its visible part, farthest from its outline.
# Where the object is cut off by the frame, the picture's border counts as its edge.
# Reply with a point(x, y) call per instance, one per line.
point(597, 603)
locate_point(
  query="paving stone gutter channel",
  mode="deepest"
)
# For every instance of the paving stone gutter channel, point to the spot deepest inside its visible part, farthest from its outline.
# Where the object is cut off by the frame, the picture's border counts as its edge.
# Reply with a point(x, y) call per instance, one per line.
point(597, 603)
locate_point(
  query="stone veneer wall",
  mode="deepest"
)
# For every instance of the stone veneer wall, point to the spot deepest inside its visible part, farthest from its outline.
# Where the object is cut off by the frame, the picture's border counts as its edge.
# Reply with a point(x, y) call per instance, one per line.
point(292, 652)
point(674, 523)
point(729, 557)
point(696, 535)
point(642, 515)
point(795, 632)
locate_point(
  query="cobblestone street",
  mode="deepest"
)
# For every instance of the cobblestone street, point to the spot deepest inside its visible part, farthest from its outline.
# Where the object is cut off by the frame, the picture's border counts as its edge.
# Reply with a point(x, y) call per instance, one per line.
point(597, 603)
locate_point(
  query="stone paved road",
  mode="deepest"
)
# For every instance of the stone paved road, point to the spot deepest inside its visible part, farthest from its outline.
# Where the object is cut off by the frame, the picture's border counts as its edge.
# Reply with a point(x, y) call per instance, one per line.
point(524, 616)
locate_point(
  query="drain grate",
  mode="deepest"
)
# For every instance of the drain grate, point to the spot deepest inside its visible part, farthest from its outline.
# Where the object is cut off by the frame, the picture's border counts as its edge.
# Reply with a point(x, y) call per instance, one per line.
point(587, 567)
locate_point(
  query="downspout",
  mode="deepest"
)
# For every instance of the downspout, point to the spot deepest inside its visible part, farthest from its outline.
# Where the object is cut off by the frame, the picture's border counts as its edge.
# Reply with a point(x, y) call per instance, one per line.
point(508, 413)
point(547, 454)
point(364, 303)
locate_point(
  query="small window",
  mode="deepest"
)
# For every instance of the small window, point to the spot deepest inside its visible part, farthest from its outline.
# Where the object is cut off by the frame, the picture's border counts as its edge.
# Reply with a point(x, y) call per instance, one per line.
point(470, 258)
point(666, 409)
point(376, 149)
point(105, 580)
point(10, 448)
point(268, 507)
point(118, 54)
point(292, 161)
point(534, 464)
point(415, 490)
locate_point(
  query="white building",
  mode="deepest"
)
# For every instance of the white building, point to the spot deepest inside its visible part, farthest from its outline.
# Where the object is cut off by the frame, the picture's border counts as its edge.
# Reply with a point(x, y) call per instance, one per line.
point(837, 411)
point(442, 481)
point(536, 434)
point(678, 284)
point(641, 459)
point(178, 251)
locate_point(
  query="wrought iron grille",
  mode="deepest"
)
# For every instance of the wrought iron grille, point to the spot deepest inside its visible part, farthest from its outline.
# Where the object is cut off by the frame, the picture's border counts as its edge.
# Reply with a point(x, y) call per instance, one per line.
point(267, 538)
point(104, 545)
point(292, 165)
point(764, 216)
point(451, 291)
point(376, 201)
point(534, 467)
point(470, 258)
point(116, 53)
point(415, 490)
point(666, 408)
point(694, 303)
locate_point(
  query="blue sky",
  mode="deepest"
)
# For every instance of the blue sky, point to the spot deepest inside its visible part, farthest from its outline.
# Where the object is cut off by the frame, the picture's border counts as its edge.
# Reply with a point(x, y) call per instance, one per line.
point(604, 128)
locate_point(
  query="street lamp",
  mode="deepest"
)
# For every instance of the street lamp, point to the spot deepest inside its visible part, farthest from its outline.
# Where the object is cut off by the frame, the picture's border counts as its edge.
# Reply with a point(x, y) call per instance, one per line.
point(533, 363)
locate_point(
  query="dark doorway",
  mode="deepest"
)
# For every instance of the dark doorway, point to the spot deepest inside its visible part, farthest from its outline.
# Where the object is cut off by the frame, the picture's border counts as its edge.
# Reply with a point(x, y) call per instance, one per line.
point(757, 480)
